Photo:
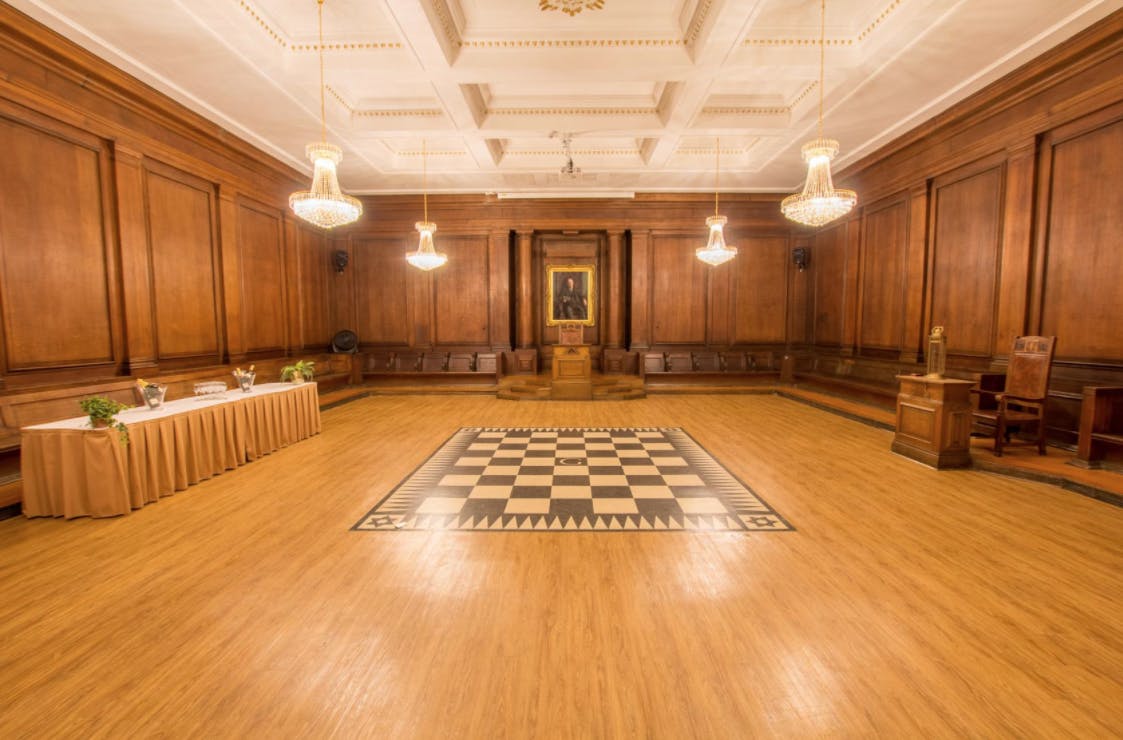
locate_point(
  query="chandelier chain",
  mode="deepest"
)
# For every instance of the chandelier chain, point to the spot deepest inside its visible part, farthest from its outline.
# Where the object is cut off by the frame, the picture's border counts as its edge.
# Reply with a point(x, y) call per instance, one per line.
point(717, 170)
point(822, 58)
point(424, 180)
point(320, 48)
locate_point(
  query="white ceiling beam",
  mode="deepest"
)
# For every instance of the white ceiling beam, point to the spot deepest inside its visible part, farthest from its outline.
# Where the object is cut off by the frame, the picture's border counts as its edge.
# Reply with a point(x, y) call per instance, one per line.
point(718, 39)
point(427, 29)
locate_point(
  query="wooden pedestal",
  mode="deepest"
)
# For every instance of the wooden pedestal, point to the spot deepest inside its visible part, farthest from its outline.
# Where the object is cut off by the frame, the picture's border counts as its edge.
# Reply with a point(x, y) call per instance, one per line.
point(934, 421)
point(572, 373)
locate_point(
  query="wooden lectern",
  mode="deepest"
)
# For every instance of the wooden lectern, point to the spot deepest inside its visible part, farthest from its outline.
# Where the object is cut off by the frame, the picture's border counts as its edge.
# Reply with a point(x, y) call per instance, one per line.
point(934, 421)
point(572, 366)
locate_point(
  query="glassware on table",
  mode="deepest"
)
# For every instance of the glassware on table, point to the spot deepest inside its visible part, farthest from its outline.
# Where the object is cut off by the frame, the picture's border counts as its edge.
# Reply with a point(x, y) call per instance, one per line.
point(245, 380)
point(153, 395)
point(211, 389)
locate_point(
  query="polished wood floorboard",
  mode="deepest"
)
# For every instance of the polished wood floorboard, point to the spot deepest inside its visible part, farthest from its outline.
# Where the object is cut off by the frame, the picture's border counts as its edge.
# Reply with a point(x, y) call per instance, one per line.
point(908, 602)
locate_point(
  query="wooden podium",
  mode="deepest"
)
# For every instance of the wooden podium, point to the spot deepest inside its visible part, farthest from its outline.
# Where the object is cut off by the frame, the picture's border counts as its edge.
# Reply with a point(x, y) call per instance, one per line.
point(934, 421)
point(572, 373)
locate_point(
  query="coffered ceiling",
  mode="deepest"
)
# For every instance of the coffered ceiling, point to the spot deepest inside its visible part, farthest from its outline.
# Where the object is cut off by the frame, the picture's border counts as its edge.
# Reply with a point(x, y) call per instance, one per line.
point(644, 86)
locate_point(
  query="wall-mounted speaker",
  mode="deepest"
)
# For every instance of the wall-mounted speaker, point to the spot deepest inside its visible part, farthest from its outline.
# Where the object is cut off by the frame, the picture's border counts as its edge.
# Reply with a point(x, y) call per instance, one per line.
point(340, 259)
point(801, 258)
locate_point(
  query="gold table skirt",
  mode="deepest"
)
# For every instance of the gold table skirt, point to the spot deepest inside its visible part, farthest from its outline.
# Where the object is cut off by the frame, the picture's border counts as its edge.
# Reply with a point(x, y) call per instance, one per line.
point(70, 470)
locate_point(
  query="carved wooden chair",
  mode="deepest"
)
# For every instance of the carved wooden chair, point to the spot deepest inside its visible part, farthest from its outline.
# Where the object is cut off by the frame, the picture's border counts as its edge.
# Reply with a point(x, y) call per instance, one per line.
point(1003, 407)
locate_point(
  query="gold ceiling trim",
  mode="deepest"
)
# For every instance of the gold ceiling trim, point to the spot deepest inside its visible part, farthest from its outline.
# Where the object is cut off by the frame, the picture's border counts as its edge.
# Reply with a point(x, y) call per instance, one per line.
point(572, 112)
point(355, 46)
point(401, 113)
point(870, 28)
point(570, 7)
point(806, 91)
point(581, 152)
point(879, 20)
point(331, 91)
point(709, 151)
point(386, 112)
point(696, 23)
point(445, 18)
point(431, 153)
point(727, 110)
point(280, 39)
point(568, 43)
point(797, 42)
point(263, 24)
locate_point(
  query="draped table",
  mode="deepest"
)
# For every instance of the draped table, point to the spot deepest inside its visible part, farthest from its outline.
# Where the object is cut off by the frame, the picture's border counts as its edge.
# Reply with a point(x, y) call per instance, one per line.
point(71, 470)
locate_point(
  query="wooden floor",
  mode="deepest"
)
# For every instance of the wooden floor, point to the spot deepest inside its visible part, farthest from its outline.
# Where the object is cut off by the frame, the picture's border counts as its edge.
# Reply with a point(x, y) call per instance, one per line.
point(908, 602)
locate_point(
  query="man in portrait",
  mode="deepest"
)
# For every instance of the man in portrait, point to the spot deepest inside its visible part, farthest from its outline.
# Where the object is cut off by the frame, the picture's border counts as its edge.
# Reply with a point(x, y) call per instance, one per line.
point(570, 301)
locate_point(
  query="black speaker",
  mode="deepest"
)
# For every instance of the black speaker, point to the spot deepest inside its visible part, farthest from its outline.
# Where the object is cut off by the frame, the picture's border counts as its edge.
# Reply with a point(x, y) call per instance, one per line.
point(340, 258)
point(345, 342)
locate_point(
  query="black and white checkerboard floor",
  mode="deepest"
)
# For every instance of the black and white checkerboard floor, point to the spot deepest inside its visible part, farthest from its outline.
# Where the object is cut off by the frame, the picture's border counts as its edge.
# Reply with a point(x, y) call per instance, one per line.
point(572, 480)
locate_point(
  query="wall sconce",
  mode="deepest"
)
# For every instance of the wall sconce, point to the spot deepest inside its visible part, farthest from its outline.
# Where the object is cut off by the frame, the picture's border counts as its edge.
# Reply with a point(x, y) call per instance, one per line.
point(340, 259)
point(801, 258)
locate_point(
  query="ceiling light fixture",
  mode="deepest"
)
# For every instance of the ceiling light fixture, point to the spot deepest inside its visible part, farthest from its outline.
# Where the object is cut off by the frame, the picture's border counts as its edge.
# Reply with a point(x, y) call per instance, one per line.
point(569, 171)
point(324, 204)
point(716, 252)
point(426, 257)
point(820, 202)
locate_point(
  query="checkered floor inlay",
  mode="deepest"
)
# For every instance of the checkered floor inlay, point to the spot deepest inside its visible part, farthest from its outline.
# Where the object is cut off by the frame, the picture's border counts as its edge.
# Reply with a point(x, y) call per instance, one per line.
point(572, 480)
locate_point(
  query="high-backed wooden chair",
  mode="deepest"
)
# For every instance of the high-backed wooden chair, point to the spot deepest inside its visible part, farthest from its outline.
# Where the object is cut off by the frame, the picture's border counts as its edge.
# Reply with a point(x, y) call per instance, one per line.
point(1021, 399)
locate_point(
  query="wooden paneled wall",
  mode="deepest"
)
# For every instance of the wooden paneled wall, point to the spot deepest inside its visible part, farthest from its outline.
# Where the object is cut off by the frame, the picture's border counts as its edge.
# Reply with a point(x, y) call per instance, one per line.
point(996, 219)
point(136, 237)
point(652, 293)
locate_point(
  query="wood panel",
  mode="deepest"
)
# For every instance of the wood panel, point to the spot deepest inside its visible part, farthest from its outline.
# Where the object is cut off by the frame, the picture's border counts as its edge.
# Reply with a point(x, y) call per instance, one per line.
point(885, 233)
point(181, 238)
point(964, 263)
point(261, 248)
point(1083, 261)
point(829, 265)
point(584, 248)
point(381, 280)
point(461, 292)
point(316, 282)
point(58, 272)
point(760, 290)
point(678, 283)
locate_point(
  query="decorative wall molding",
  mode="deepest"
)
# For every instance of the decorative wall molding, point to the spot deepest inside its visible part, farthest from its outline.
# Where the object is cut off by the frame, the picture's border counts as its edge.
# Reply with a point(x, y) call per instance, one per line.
point(570, 7)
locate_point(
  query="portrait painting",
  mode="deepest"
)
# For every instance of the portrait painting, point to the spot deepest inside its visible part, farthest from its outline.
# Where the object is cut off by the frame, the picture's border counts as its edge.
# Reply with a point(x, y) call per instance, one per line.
point(570, 295)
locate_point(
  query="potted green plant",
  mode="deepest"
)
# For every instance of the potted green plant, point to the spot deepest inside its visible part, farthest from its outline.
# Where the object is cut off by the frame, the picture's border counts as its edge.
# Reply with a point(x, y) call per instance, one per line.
point(298, 372)
point(103, 412)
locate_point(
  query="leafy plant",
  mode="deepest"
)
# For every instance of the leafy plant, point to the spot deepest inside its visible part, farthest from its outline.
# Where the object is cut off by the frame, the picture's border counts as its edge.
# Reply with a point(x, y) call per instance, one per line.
point(103, 411)
point(306, 369)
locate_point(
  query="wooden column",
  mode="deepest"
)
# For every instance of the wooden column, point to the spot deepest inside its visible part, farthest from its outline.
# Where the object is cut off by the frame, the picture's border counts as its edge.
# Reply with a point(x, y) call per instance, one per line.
point(799, 296)
point(525, 299)
point(1017, 248)
point(615, 333)
point(850, 286)
point(295, 298)
point(916, 259)
point(499, 290)
point(641, 291)
point(136, 267)
point(231, 275)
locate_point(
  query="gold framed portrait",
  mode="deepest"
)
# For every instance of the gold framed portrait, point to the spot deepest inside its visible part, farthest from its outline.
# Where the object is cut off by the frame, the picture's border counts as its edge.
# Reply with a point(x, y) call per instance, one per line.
point(571, 295)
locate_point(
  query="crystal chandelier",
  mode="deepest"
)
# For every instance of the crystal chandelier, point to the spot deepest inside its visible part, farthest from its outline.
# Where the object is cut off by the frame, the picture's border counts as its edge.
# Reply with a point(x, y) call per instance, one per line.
point(324, 204)
point(426, 257)
point(820, 202)
point(716, 252)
